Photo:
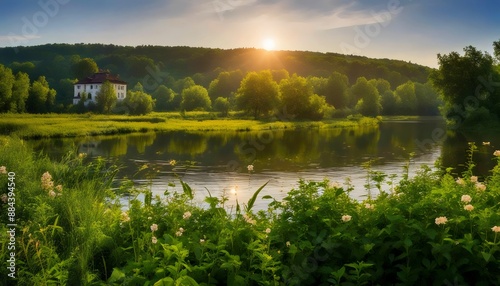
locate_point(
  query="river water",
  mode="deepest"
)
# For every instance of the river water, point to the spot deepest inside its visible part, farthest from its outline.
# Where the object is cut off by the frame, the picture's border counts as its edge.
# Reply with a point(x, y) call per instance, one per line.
point(218, 161)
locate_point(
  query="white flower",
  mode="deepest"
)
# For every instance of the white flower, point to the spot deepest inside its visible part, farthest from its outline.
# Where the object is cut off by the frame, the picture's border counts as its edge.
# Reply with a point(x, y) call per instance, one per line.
point(150, 218)
point(179, 233)
point(473, 179)
point(59, 188)
point(268, 230)
point(466, 199)
point(369, 206)
point(52, 194)
point(154, 240)
point(480, 187)
point(3, 170)
point(4, 198)
point(469, 208)
point(47, 183)
point(441, 220)
point(486, 143)
point(172, 162)
point(346, 218)
point(496, 153)
point(287, 244)
point(186, 215)
point(335, 185)
point(496, 229)
point(82, 155)
point(250, 168)
point(202, 240)
point(154, 227)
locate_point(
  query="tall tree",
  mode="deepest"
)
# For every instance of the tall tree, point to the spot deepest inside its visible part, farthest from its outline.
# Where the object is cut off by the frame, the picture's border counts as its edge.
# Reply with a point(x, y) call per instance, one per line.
point(6, 83)
point(368, 97)
point(84, 67)
point(336, 90)
point(408, 98)
point(20, 92)
point(258, 93)
point(163, 97)
point(225, 85)
point(296, 97)
point(106, 97)
point(464, 82)
point(41, 97)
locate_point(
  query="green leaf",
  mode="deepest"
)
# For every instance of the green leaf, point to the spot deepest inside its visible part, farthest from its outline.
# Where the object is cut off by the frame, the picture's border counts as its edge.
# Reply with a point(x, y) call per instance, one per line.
point(185, 281)
point(187, 190)
point(167, 281)
point(486, 256)
point(116, 276)
point(267, 197)
point(251, 201)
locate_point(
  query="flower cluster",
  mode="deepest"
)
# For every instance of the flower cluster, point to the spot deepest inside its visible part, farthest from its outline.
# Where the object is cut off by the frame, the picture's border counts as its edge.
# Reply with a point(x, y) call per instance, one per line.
point(496, 153)
point(441, 220)
point(172, 162)
point(369, 206)
point(3, 170)
point(249, 220)
point(469, 207)
point(480, 187)
point(250, 168)
point(346, 218)
point(179, 232)
point(5, 198)
point(47, 183)
point(460, 181)
point(496, 229)
point(268, 230)
point(466, 199)
point(186, 215)
point(125, 217)
point(154, 227)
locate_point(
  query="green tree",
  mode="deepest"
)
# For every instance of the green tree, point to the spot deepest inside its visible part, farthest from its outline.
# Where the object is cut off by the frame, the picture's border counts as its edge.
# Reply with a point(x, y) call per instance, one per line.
point(138, 102)
point(183, 84)
point(258, 93)
point(319, 84)
point(106, 97)
point(163, 97)
point(427, 99)
point(41, 97)
point(408, 98)
point(390, 103)
point(465, 84)
point(279, 75)
point(368, 97)
point(7, 80)
point(382, 85)
point(195, 98)
point(225, 85)
point(496, 49)
point(336, 90)
point(66, 91)
point(138, 87)
point(20, 92)
point(299, 100)
point(222, 105)
point(84, 68)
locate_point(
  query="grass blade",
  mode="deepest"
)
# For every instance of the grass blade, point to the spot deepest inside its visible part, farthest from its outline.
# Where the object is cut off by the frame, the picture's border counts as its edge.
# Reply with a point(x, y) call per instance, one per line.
point(251, 201)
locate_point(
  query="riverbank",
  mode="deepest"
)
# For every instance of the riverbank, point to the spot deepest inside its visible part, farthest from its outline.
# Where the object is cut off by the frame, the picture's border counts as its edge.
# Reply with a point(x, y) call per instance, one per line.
point(32, 126)
point(72, 230)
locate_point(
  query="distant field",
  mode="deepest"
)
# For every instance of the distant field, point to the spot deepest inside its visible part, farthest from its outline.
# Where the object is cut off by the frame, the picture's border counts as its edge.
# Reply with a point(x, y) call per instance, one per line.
point(73, 125)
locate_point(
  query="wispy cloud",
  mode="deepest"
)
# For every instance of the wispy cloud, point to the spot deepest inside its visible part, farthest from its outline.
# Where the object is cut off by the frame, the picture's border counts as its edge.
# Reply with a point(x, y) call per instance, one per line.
point(15, 40)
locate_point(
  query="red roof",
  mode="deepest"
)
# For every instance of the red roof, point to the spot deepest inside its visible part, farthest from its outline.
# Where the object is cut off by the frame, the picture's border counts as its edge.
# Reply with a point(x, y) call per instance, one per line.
point(101, 77)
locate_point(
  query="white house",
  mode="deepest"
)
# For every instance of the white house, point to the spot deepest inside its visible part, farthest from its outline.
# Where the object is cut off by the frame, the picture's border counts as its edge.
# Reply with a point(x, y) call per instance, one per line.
point(92, 84)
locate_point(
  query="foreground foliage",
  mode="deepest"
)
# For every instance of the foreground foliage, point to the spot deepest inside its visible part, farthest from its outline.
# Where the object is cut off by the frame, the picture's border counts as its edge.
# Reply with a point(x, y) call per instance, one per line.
point(432, 229)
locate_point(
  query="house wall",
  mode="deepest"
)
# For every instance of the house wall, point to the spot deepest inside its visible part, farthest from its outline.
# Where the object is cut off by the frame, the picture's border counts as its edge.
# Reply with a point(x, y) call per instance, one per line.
point(92, 89)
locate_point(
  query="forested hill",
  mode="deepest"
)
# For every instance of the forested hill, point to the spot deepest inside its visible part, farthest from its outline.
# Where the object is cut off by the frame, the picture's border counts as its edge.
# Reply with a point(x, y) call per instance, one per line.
point(55, 61)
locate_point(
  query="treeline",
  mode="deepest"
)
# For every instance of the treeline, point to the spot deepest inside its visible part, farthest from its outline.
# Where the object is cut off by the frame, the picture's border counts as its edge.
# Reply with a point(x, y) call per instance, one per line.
point(159, 65)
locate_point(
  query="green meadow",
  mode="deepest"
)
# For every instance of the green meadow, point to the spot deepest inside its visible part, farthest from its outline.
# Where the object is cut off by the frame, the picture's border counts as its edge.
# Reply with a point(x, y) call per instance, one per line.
point(72, 125)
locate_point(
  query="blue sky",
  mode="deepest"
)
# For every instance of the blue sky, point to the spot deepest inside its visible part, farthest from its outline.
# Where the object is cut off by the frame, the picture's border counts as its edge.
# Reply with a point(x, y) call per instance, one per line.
point(410, 30)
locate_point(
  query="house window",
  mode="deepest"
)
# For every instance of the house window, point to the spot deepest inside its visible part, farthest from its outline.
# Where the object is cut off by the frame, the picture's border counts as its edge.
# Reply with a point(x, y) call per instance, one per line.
point(78, 95)
point(91, 86)
point(90, 96)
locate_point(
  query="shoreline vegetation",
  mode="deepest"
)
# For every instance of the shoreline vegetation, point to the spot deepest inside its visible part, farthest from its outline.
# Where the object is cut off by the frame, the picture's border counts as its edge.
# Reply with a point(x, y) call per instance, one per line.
point(72, 229)
point(36, 126)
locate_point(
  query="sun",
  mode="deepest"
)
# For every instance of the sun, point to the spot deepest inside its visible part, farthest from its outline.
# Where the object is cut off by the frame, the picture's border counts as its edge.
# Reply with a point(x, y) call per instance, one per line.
point(269, 44)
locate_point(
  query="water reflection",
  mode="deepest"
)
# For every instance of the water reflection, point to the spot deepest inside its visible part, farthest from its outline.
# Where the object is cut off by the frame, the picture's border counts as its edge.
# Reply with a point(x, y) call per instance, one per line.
point(218, 160)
